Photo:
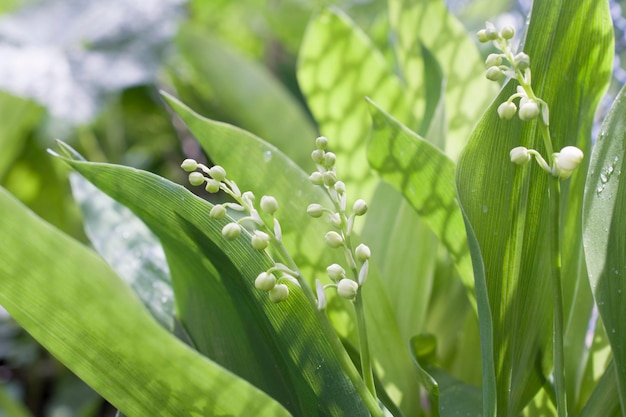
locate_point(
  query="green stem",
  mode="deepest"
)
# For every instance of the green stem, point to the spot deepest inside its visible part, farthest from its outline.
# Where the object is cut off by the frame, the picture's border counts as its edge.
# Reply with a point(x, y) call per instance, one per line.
point(366, 363)
point(363, 389)
point(559, 362)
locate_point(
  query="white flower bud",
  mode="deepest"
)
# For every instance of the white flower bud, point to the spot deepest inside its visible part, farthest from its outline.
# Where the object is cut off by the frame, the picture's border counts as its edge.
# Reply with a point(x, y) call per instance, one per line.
point(507, 32)
point(231, 231)
point(347, 289)
point(494, 74)
point(493, 60)
point(333, 239)
point(529, 110)
point(189, 165)
point(340, 187)
point(519, 155)
point(316, 178)
point(330, 178)
point(315, 210)
point(336, 272)
point(212, 186)
point(265, 281)
point(359, 207)
point(482, 36)
point(217, 173)
point(521, 61)
point(260, 240)
point(507, 110)
point(269, 204)
point(329, 159)
point(279, 293)
point(196, 178)
point(569, 158)
point(218, 212)
point(321, 295)
point(321, 143)
point(491, 31)
point(317, 156)
point(362, 253)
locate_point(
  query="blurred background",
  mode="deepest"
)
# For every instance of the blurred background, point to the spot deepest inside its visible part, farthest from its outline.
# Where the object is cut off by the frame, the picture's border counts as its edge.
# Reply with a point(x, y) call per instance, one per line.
point(89, 73)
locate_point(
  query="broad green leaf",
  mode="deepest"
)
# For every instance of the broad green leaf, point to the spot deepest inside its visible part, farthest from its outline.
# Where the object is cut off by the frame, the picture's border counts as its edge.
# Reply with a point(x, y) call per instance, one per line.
point(274, 174)
point(17, 117)
point(279, 347)
point(70, 300)
point(129, 247)
point(605, 397)
point(338, 67)
point(449, 396)
point(604, 228)
point(405, 251)
point(416, 25)
point(507, 206)
point(425, 176)
point(248, 95)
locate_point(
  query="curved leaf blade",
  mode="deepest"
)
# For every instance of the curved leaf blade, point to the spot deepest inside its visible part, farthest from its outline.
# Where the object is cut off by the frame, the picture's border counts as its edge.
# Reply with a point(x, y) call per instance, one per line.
point(98, 328)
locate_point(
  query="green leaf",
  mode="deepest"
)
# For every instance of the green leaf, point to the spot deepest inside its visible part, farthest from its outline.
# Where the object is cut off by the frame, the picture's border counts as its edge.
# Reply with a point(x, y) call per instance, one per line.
point(605, 399)
point(248, 94)
point(70, 300)
point(338, 67)
point(10, 406)
point(129, 247)
point(425, 176)
point(278, 347)
point(604, 227)
point(570, 45)
point(449, 396)
point(422, 27)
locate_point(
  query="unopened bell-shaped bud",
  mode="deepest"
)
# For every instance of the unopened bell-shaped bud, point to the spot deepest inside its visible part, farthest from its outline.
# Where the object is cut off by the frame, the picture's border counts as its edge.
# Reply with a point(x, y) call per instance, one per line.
point(315, 210)
point(218, 173)
point(507, 110)
point(492, 32)
point(265, 281)
point(279, 293)
point(482, 36)
point(346, 288)
point(494, 74)
point(212, 186)
point(336, 272)
point(333, 239)
point(189, 165)
point(521, 61)
point(340, 187)
point(321, 295)
point(507, 32)
point(321, 143)
point(269, 204)
point(493, 60)
point(520, 155)
point(260, 240)
point(329, 159)
point(359, 207)
point(316, 178)
point(330, 178)
point(317, 156)
point(568, 160)
point(196, 178)
point(218, 212)
point(231, 231)
point(362, 253)
point(529, 110)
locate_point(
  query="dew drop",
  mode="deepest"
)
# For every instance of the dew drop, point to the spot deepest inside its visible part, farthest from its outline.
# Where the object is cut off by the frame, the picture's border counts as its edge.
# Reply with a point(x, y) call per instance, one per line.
point(613, 330)
point(616, 159)
point(609, 170)
point(267, 156)
point(485, 208)
point(619, 290)
point(603, 178)
point(599, 189)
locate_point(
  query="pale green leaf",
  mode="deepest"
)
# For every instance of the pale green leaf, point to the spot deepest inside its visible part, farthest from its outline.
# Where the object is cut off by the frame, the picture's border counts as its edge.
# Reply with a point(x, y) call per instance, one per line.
point(605, 232)
point(70, 300)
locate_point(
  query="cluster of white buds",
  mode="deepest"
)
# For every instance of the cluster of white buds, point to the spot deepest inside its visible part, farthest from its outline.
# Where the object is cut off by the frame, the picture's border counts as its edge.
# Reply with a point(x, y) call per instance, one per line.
point(275, 287)
point(260, 233)
point(506, 64)
point(342, 221)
